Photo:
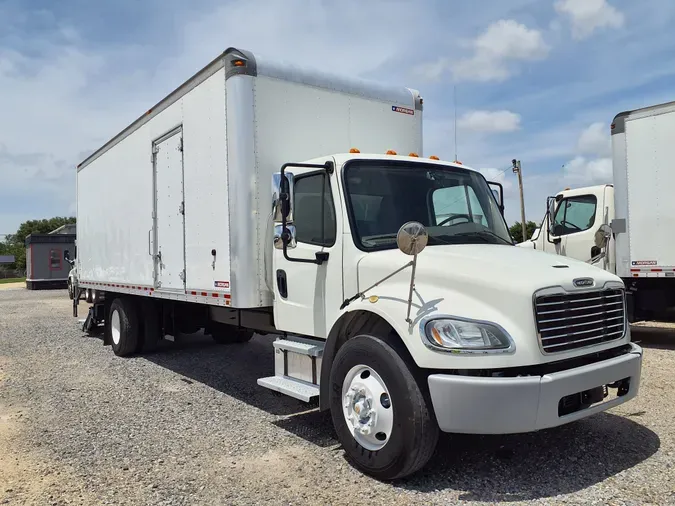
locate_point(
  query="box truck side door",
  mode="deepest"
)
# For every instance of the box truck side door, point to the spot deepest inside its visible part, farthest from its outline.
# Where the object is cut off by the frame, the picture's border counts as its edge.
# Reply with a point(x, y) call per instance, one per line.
point(308, 294)
point(575, 222)
point(169, 244)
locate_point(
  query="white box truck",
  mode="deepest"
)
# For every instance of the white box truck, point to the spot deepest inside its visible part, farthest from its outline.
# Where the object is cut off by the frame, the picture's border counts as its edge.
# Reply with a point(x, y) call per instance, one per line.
point(262, 198)
point(621, 227)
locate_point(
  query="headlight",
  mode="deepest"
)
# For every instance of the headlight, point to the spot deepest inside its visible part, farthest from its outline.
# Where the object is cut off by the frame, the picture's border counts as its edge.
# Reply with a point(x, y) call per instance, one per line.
point(462, 335)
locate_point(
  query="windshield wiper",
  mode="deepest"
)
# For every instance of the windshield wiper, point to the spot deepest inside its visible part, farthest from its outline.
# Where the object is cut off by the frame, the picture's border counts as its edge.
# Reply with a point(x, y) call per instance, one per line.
point(483, 233)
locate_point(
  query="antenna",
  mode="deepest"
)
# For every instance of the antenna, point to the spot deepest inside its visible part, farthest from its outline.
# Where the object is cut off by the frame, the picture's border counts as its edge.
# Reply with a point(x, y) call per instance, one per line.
point(454, 100)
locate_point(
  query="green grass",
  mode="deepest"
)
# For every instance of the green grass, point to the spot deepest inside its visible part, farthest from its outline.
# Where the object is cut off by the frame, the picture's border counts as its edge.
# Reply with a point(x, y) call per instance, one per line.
point(11, 280)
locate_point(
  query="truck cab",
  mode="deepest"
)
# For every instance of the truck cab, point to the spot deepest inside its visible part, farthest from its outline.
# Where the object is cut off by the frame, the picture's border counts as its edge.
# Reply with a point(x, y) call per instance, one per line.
point(489, 337)
point(572, 220)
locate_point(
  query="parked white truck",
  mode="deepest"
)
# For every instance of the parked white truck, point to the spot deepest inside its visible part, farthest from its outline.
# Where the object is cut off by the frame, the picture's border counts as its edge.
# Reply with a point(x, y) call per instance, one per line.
point(620, 227)
point(226, 208)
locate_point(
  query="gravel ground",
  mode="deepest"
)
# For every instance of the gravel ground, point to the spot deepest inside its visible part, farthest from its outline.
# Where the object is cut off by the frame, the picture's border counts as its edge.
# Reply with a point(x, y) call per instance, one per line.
point(189, 425)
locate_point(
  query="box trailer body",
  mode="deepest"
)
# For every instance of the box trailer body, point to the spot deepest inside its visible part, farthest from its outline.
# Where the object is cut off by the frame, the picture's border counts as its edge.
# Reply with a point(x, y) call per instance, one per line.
point(262, 198)
point(621, 227)
point(179, 201)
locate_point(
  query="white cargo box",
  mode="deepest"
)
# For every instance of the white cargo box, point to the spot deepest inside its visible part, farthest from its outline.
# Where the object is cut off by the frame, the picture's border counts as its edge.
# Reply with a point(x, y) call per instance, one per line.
point(643, 153)
point(177, 205)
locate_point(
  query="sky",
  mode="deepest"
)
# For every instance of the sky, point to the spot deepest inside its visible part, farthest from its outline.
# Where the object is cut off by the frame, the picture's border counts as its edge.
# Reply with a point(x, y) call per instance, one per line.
point(536, 80)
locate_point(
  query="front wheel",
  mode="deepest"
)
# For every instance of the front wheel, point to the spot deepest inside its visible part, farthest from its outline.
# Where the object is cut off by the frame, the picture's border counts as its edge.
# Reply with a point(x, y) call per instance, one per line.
point(70, 290)
point(379, 412)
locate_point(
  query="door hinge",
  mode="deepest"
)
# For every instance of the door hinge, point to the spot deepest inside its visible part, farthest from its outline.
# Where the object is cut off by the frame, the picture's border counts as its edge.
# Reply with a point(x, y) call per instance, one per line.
point(155, 149)
point(182, 275)
point(180, 145)
point(181, 208)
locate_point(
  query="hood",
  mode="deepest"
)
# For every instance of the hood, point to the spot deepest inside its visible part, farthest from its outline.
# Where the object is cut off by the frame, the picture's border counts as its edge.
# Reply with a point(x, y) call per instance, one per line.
point(490, 283)
point(502, 268)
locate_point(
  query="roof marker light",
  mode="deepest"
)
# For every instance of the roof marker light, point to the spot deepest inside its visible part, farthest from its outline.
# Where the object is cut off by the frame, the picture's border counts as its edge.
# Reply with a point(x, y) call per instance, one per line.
point(354, 150)
point(434, 157)
point(414, 155)
point(391, 152)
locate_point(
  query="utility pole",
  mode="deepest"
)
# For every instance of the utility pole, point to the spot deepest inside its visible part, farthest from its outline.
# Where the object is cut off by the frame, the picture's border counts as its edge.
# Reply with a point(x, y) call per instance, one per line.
point(517, 170)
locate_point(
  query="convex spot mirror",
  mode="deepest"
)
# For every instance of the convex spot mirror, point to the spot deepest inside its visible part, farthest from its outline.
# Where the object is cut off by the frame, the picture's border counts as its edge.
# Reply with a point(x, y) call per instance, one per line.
point(412, 238)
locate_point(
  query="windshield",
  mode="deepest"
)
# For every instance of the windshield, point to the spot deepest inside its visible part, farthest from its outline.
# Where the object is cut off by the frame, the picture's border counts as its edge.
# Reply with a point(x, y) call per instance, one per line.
point(455, 205)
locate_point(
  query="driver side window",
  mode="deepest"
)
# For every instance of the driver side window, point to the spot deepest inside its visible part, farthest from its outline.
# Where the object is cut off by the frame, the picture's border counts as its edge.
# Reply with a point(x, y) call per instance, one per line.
point(457, 204)
point(575, 214)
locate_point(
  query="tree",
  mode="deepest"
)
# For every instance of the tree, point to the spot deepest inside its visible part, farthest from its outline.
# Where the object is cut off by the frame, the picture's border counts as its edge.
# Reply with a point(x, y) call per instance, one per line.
point(517, 230)
point(15, 243)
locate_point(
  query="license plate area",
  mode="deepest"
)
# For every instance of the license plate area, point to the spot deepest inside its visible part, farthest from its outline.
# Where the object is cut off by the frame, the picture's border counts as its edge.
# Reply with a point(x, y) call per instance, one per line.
point(583, 400)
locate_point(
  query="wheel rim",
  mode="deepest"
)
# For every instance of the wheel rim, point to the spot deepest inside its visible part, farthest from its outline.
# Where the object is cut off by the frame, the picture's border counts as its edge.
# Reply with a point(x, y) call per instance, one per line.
point(367, 407)
point(115, 327)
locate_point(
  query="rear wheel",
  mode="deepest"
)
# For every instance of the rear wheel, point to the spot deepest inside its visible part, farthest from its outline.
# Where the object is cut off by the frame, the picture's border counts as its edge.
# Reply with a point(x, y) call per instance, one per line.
point(229, 334)
point(124, 328)
point(379, 412)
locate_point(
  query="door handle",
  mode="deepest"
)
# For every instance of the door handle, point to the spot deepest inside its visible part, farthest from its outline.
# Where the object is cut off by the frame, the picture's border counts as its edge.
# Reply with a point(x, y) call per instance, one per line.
point(282, 283)
point(149, 240)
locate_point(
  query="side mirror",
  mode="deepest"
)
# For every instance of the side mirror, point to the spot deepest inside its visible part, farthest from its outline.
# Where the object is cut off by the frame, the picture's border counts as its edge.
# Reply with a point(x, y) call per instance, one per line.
point(602, 236)
point(498, 194)
point(282, 197)
point(558, 230)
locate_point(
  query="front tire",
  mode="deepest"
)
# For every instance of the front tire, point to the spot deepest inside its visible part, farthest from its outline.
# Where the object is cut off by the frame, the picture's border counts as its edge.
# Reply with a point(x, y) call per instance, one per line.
point(379, 412)
point(124, 327)
point(70, 290)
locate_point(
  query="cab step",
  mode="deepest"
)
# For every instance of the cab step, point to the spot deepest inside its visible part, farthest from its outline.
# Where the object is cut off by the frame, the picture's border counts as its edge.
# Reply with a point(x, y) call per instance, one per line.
point(297, 368)
point(293, 388)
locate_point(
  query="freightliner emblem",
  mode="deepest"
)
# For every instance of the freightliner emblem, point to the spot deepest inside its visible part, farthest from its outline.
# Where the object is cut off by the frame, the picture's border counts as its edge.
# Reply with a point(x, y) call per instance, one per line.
point(583, 282)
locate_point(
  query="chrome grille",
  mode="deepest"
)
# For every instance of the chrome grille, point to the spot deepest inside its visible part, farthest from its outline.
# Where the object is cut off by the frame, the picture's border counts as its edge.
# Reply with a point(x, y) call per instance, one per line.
point(567, 321)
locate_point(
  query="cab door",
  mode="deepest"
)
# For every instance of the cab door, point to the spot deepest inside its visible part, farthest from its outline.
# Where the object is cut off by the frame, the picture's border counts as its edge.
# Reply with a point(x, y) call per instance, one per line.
point(575, 222)
point(307, 271)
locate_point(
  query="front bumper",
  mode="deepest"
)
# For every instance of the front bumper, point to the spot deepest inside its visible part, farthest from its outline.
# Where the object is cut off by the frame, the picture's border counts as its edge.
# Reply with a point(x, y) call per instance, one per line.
point(475, 405)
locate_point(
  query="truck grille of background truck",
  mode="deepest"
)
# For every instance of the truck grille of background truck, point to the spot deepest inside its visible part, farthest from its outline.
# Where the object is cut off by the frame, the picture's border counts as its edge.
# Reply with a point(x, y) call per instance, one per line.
point(569, 321)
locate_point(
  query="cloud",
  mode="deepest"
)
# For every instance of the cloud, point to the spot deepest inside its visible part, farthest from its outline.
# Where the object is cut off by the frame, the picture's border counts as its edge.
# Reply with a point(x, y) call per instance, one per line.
point(490, 121)
point(66, 95)
point(587, 16)
point(582, 171)
point(504, 42)
point(595, 140)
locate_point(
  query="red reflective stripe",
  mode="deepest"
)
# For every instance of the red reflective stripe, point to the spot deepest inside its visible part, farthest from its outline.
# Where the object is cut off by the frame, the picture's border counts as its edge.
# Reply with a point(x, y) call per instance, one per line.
point(657, 270)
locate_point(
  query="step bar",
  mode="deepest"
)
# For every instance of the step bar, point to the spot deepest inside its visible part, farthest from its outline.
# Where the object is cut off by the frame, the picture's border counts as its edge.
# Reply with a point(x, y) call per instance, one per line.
point(297, 368)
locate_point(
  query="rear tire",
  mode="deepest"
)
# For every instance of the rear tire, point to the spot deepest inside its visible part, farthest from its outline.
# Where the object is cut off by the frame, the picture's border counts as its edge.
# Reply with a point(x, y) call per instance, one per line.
point(124, 327)
point(229, 334)
point(370, 379)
